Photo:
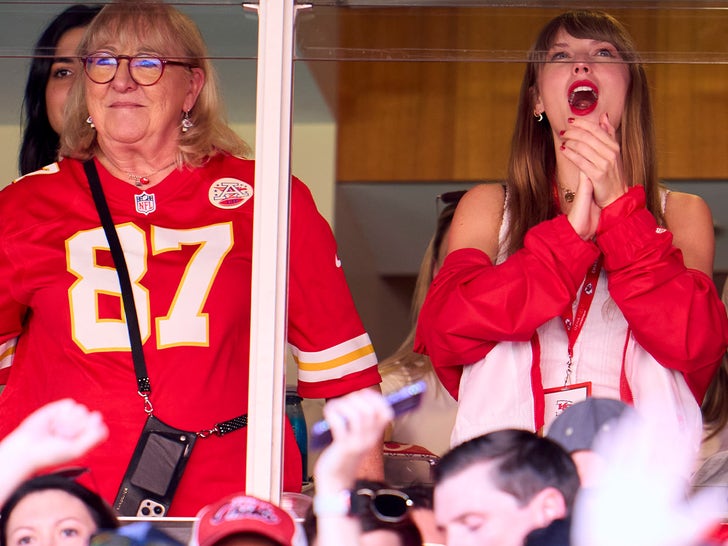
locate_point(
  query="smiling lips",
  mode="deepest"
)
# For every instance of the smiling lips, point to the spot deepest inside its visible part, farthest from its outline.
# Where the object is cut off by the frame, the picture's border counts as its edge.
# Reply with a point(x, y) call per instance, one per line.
point(583, 97)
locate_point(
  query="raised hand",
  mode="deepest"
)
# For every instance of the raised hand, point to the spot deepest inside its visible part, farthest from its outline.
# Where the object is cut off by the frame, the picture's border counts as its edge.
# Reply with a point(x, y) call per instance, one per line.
point(54, 434)
point(357, 423)
point(594, 150)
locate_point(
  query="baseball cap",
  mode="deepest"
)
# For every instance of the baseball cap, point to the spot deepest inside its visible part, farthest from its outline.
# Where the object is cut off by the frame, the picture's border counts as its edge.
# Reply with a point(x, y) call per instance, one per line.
point(239, 513)
point(577, 426)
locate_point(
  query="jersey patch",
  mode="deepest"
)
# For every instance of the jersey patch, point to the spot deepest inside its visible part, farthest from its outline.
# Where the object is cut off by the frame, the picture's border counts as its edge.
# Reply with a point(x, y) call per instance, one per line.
point(229, 193)
point(145, 203)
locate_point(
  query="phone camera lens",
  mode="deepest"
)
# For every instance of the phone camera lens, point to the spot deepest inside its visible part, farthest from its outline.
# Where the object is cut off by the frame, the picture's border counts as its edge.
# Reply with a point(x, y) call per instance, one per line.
point(145, 511)
point(158, 510)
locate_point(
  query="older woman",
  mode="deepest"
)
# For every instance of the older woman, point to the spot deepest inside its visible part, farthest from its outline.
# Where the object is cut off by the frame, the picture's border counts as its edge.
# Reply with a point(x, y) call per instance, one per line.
point(146, 119)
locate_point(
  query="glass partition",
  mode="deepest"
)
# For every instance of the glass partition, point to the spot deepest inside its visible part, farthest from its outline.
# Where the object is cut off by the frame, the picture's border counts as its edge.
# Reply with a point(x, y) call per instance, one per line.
point(423, 96)
point(398, 102)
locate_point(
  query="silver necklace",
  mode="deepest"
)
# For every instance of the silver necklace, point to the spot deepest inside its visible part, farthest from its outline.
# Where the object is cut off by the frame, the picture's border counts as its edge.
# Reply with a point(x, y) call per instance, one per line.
point(140, 180)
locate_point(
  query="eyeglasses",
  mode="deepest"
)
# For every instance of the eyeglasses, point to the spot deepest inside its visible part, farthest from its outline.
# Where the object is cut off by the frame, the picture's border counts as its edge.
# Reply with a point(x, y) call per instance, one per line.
point(388, 505)
point(144, 69)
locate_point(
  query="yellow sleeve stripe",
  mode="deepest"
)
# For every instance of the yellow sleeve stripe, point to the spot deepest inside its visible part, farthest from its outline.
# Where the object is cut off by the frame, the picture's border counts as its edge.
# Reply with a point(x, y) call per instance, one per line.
point(7, 350)
point(335, 362)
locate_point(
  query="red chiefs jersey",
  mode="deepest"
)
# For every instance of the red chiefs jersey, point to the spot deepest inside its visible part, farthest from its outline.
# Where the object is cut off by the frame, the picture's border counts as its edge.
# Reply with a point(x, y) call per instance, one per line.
point(187, 244)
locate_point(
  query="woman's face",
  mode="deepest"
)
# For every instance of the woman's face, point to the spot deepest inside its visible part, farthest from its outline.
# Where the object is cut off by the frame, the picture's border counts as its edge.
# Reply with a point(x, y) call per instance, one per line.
point(128, 114)
point(64, 70)
point(582, 77)
point(50, 518)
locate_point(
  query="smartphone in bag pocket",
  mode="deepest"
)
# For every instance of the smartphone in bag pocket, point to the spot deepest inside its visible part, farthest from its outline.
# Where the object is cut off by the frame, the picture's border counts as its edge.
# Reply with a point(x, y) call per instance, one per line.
point(155, 470)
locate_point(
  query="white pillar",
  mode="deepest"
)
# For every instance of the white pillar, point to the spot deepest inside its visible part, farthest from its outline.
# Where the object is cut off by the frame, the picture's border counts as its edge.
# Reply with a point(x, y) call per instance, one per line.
point(270, 249)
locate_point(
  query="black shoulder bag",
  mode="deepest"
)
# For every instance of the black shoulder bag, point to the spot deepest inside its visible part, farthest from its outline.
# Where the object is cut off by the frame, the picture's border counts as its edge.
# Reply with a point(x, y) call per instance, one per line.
point(162, 451)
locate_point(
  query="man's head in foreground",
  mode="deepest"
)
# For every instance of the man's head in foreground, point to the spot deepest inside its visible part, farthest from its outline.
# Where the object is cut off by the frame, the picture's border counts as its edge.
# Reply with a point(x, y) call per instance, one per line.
point(495, 489)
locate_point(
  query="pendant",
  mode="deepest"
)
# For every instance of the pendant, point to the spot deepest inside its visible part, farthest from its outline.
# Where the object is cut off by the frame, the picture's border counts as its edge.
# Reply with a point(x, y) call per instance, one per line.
point(144, 180)
point(145, 203)
point(569, 196)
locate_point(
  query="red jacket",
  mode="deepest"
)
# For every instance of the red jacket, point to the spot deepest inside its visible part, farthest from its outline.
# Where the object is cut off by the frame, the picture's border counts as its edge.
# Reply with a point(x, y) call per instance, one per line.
point(674, 312)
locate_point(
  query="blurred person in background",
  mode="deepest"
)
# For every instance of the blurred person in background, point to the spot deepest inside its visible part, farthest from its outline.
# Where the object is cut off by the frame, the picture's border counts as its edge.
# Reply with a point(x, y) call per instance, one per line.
point(53, 510)
point(53, 70)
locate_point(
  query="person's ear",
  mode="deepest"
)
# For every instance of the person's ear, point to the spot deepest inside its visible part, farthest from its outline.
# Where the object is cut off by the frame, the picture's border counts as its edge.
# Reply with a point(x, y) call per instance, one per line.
point(196, 83)
point(538, 107)
point(546, 506)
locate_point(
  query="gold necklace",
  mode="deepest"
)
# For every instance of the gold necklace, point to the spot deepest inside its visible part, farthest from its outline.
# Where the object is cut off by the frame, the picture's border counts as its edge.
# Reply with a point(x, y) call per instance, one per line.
point(140, 180)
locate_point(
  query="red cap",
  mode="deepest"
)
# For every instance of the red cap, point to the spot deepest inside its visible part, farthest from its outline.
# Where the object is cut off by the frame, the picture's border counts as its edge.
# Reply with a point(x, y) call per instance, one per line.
point(240, 513)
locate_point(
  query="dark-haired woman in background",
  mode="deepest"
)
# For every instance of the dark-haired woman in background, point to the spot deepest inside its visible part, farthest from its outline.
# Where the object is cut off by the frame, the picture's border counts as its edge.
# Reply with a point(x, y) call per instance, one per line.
point(53, 510)
point(52, 71)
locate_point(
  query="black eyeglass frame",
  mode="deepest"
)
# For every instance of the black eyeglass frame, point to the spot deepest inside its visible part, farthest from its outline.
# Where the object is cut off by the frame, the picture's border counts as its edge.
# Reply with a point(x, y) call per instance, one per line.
point(129, 58)
point(366, 499)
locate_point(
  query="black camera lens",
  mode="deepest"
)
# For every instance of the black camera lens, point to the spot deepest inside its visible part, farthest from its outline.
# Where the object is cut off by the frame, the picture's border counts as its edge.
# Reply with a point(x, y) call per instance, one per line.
point(158, 510)
point(145, 511)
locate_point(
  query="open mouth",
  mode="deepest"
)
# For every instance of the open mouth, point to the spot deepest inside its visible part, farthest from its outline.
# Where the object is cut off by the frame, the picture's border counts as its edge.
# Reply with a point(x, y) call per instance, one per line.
point(583, 97)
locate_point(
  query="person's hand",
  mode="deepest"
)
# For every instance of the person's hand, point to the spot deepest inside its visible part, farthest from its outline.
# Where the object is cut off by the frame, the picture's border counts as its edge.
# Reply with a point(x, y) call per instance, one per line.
point(54, 434)
point(584, 212)
point(640, 498)
point(357, 423)
point(594, 149)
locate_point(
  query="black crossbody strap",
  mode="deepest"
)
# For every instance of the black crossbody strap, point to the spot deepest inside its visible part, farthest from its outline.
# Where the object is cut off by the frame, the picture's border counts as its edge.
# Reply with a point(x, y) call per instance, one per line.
point(127, 296)
point(144, 386)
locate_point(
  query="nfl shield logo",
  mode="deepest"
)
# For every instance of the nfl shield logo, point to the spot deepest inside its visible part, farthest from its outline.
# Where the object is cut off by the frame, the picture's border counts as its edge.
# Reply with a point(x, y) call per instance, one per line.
point(145, 203)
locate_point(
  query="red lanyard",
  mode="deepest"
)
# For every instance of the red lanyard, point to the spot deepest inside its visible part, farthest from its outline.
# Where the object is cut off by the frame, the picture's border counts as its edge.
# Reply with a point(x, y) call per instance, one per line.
point(574, 324)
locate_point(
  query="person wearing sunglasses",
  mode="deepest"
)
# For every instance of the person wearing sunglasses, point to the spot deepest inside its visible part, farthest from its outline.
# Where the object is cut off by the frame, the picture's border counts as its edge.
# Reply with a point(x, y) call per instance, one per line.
point(347, 510)
point(585, 277)
point(383, 513)
point(53, 510)
point(145, 129)
point(430, 424)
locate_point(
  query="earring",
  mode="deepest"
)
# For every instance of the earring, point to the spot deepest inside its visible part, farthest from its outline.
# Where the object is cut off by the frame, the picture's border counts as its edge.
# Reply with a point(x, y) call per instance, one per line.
point(538, 116)
point(90, 121)
point(187, 122)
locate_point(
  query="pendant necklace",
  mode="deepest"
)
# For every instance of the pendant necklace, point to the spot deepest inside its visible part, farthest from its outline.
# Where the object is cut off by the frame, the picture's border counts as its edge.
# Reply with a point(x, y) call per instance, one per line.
point(144, 203)
point(568, 194)
point(137, 179)
point(140, 181)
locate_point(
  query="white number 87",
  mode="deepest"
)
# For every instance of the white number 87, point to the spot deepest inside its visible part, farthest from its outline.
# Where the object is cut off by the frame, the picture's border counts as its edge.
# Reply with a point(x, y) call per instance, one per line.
point(184, 324)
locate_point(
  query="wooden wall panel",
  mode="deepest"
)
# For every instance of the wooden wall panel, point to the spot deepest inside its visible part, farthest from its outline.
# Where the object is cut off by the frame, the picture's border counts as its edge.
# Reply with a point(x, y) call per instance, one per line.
point(452, 120)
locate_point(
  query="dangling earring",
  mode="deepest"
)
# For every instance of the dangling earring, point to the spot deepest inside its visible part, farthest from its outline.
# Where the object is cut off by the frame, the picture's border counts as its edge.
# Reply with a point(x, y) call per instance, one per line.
point(187, 122)
point(538, 116)
point(90, 121)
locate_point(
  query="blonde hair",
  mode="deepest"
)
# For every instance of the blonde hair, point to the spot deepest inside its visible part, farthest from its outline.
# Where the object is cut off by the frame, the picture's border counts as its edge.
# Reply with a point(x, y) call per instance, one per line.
point(532, 164)
point(162, 29)
point(414, 364)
